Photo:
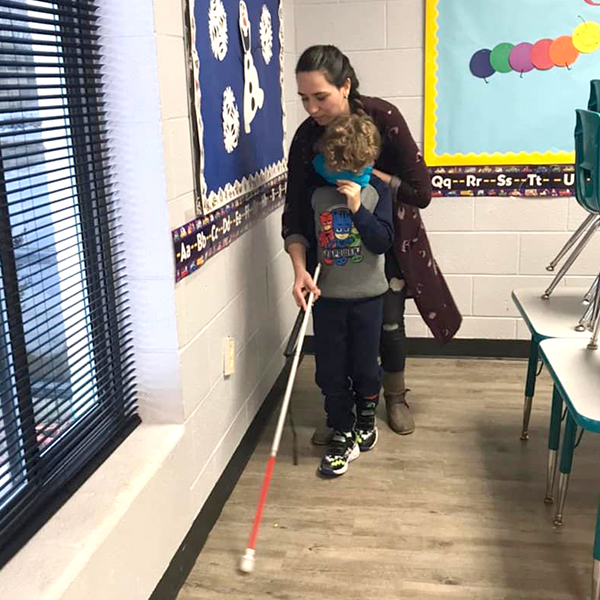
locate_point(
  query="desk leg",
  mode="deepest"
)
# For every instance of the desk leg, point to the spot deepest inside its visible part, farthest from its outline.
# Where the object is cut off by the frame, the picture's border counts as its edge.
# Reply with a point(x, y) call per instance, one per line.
point(534, 351)
point(566, 463)
point(596, 569)
point(553, 444)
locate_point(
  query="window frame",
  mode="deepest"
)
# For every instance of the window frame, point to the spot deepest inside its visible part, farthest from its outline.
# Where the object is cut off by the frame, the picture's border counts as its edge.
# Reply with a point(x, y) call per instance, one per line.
point(52, 476)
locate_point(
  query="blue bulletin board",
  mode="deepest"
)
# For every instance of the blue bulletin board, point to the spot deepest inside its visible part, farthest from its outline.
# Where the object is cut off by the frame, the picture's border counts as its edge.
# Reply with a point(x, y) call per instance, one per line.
point(237, 68)
point(236, 90)
point(504, 77)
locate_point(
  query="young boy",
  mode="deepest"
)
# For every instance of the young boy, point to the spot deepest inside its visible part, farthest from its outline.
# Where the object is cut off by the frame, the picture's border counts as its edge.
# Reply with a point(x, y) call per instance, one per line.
point(354, 229)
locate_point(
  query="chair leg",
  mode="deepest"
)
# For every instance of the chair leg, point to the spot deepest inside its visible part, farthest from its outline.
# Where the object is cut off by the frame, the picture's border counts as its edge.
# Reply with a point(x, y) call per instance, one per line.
point(592, 299)
point(553, 444)
point(592, 291)
point(595, 324)
point(571, 242)
point(572, 258)
point(566, 464)
point(596, 569)
point(534, 351)
point(586, 319)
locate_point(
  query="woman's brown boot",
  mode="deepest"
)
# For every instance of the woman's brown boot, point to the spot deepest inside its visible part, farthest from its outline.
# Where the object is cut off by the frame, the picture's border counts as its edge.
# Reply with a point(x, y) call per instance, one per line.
point(398, 414)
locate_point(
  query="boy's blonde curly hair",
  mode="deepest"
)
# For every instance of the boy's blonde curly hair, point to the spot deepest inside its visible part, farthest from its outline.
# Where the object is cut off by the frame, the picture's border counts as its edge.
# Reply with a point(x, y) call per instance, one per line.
point(350, 143)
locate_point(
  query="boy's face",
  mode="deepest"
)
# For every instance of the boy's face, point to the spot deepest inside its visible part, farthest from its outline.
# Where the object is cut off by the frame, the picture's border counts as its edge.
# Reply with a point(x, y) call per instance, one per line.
point(322, 101)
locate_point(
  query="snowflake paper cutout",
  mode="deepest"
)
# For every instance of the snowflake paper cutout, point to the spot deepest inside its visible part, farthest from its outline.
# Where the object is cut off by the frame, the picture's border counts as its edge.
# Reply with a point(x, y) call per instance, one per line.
point(231, 121)
point(217, 28)
point(266, 34)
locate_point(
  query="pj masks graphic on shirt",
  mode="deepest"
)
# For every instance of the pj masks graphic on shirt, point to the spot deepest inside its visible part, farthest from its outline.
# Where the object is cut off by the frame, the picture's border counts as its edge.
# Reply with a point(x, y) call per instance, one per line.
point(339, 238)
point(326, 236)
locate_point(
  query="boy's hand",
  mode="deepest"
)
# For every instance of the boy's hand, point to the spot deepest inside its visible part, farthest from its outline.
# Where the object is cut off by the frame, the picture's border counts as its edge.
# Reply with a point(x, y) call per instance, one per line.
point(304, 284)
point(351, 190)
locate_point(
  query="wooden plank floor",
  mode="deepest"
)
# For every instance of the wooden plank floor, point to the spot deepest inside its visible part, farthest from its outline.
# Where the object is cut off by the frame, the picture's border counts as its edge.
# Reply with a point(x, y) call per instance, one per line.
point(453, 512)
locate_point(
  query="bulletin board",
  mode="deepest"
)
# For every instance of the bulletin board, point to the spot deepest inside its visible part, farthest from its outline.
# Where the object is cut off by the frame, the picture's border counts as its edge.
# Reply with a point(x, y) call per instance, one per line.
point(236, 59)
point(503, 80)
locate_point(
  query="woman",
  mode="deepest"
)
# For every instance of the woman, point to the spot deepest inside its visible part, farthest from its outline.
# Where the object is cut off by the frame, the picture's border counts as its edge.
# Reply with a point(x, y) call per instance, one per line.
point(329, 88)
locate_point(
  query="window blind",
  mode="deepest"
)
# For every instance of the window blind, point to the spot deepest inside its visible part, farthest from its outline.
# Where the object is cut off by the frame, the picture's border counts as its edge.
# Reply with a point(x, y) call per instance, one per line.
point(67, 379)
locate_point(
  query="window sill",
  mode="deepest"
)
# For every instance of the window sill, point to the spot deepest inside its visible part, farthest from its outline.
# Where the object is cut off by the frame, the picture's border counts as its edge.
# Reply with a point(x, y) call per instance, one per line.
point(100, 539)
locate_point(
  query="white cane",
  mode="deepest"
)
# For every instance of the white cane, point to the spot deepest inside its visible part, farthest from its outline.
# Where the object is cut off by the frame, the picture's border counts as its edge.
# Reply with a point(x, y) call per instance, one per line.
point(247, 562)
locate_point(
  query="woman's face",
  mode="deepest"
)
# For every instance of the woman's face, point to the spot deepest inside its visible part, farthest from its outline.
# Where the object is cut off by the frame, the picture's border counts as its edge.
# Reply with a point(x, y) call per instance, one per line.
point(322, 101)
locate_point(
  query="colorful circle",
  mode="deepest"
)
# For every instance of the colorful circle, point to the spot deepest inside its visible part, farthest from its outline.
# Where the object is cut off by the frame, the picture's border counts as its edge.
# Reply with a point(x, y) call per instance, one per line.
point(562, 51)
point(540, 55)
point(480, 64)
point(586, 37)
point(499, 58)
point(520, 58)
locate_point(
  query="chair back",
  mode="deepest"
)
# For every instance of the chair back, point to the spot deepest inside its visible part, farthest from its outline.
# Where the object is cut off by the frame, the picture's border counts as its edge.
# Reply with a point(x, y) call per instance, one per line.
point(594, 101)
point(587, 160)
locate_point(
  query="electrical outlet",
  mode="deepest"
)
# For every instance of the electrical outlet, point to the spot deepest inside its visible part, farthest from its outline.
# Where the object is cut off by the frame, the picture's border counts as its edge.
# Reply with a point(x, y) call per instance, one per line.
point(228, 356)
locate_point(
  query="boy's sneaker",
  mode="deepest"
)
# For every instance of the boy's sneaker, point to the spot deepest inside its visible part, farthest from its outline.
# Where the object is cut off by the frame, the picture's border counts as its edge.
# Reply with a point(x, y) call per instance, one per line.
point(366, 429)
point(342, 449)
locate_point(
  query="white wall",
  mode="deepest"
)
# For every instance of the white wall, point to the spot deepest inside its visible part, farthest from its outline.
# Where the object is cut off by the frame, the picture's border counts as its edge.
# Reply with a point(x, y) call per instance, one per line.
point(116, 536)
point(486, 246)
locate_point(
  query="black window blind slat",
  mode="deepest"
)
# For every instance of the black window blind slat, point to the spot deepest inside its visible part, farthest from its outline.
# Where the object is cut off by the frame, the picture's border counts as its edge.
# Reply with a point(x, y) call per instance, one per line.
point(84, 45)
point(14, 6)
point(21, 63)
point(35, 99)
point(27, 54)
point(82, 5)
point(42, 35)
point(7, 123)
point(67, 376)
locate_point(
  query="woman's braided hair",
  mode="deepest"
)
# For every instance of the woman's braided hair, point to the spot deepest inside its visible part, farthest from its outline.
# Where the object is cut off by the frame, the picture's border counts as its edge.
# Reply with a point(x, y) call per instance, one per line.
point(336, 68)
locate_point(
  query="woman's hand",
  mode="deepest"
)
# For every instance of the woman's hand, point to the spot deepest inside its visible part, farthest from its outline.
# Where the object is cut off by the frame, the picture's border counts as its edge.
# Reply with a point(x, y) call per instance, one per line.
point(351, 190)
point(304, 284)
point(383, 176)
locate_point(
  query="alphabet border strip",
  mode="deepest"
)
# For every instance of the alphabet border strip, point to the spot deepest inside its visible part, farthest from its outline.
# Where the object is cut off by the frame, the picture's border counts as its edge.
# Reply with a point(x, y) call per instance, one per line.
point(523, 180)
point(197, 241)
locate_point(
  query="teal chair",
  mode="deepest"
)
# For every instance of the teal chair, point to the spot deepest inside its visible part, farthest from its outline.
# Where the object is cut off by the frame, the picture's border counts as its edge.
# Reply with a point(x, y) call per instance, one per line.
point(594, 101)
point(587, 159)
point(587, 202)
point(587, 181)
